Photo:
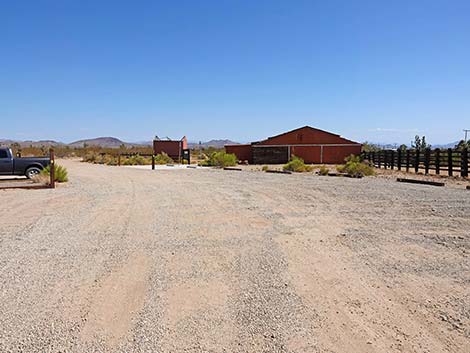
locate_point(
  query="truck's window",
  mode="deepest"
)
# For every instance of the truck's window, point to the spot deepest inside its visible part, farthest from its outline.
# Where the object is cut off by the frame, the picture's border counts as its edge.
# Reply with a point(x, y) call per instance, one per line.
point(3, 154)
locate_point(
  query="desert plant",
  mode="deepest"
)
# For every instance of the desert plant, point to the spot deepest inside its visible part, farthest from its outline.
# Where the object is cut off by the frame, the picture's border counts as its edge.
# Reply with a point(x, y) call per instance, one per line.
point(136, 160)
point(60, 173)
point(220, 159)
point(163, 158)
point(420, 143)
point(90, 157)
point(355, 167)
point(264, 168)
point(323, 170)
point(462, 145)
point(298, 165)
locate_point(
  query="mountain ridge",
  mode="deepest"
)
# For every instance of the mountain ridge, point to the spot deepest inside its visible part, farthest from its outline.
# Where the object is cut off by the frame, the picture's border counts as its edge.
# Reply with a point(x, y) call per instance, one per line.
point(114, 142)
point(109, 142)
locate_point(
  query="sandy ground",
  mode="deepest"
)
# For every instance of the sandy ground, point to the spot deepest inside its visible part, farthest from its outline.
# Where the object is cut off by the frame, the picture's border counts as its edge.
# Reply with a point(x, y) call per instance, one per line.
point(197, 260)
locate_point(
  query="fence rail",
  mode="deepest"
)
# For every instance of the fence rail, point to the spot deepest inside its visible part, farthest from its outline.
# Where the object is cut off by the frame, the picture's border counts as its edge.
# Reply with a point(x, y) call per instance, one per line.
point(447, 161)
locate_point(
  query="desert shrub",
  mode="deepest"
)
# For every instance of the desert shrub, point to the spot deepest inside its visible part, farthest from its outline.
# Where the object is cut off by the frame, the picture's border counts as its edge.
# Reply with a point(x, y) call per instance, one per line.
point(101, 159)
point(136, 160)
point(220, 159)
point(298, 165)
point(110, 160)
point(90, 157)
point(40, 178)
point(60, 173)
point(323, 170)
point(264, 168)
point(355, 167)
point(163, 158)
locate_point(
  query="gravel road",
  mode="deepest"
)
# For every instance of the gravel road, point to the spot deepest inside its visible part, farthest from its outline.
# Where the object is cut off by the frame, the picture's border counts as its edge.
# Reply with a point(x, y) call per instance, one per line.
point(124, 259)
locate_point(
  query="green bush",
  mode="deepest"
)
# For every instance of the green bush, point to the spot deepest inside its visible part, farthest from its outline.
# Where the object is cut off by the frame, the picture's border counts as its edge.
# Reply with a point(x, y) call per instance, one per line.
point(355, 167)
point(60, 173)
point(298, 165)
point(323, 170)
point(90, 157)
point(163, 158)
point(220, 159)
point(136, 160)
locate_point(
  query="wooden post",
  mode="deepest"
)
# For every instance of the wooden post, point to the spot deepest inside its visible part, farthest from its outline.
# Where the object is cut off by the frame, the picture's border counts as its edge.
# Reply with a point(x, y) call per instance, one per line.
point(385, 159)
point(437, 153)
point(399, 159)
point(450, 167)
point(153, 162)
point(427, 160)
point(407, 160)
point(119, 160)
point(373, 158)
point(392, 160)
point(417, 161)
point(464, 163)
point(379, 159)
point(52, 169)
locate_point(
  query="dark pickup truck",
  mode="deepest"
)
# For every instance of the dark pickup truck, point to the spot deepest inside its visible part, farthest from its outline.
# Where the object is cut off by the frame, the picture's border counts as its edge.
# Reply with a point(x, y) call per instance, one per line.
point(29, 166)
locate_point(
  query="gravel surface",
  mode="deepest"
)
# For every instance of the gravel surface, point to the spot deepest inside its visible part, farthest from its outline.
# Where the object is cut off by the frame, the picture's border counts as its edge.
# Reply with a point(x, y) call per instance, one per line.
point(202, 260)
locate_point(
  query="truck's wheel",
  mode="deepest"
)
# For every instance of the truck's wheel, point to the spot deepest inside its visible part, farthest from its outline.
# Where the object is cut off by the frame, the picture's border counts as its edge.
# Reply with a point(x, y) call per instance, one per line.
point(30, 172)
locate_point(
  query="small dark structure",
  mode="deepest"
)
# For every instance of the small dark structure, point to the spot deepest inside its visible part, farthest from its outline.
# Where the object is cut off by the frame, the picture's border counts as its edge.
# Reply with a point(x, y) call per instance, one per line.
point(310, 144)
point(173, 148)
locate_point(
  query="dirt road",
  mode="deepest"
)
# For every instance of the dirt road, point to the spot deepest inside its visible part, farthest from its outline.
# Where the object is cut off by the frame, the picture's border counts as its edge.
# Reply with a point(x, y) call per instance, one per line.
point(124, 260)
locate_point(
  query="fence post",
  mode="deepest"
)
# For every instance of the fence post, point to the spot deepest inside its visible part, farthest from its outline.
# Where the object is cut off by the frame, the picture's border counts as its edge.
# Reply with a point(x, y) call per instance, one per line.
point(379, 159)
point(119, 160)
point(417, 161)
point(392, 160)
point(399, 159)
point(52, 169)
point(407, 160)
point(153, 162)
point(464, 163)
point(437, 154)
point(373, 158)
point(450, 167)
point(427, 160)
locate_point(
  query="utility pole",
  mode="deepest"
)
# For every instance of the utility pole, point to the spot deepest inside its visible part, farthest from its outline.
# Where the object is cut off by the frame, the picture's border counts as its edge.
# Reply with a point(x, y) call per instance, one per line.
point(466, 131)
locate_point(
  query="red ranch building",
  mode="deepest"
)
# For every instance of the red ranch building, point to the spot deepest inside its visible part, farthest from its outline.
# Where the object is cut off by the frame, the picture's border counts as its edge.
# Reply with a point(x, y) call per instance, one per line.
point(310, 144)
point(173, 148)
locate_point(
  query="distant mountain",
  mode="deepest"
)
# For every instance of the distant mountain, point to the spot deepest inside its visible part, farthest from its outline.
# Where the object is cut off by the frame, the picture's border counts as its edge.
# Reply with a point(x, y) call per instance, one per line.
point(393, 146)
point(212, 143)
point(4, 142)
point(108, 142)
point(113, 142)
point(449, 145)
point(142, 143)
point(41, 143)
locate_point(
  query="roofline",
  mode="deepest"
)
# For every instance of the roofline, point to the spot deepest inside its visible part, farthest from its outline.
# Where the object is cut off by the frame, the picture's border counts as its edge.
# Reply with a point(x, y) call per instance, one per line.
point(309, 145)
point(303, 127)
point(170, 140)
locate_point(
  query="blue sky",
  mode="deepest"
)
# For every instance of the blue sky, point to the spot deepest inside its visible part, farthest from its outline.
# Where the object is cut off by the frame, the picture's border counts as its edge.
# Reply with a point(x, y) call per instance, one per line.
point(368, 70)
